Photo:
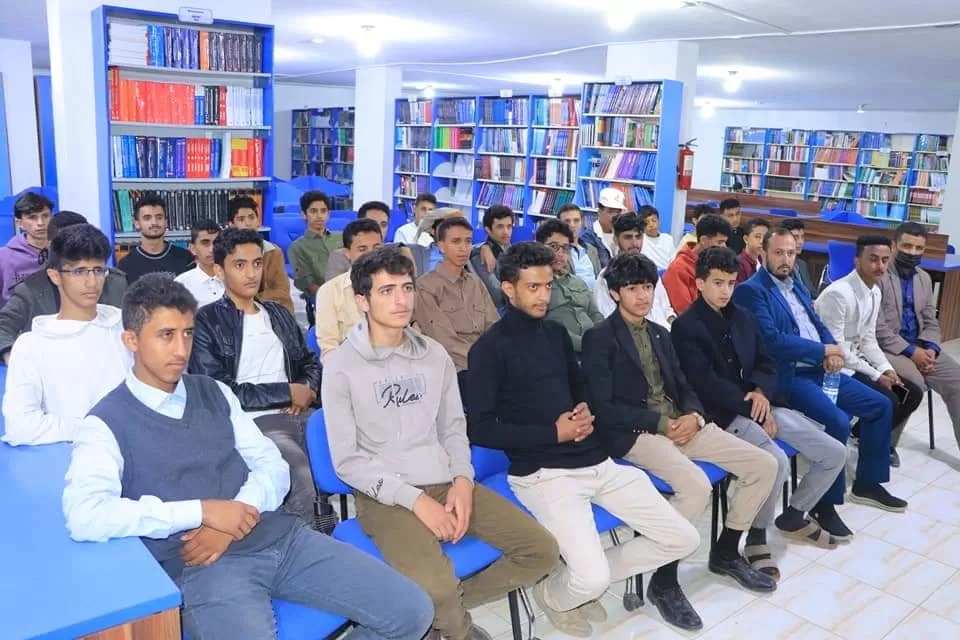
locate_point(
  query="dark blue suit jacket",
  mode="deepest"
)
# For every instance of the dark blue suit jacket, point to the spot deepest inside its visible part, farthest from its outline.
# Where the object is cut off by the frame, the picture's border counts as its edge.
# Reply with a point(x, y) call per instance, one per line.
point(760, 296)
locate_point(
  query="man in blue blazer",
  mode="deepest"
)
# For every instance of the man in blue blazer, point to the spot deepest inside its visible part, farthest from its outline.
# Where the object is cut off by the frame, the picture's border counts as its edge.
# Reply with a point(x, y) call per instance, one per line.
point(802, 346)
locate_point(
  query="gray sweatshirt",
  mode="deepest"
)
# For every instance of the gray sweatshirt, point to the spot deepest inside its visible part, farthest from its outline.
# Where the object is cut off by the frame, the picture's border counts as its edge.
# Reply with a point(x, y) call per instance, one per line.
point(394, 416)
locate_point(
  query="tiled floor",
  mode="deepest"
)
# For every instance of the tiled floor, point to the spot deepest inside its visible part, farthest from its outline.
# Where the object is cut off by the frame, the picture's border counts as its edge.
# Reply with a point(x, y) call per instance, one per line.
point(899, 579)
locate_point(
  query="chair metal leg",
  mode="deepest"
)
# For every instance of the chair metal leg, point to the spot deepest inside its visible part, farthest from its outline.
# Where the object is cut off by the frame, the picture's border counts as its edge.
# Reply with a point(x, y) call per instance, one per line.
point(528, 611)
point(793, 473)
point(930, 416)
point(714, 514)
point(786, 495)
point(343, 507)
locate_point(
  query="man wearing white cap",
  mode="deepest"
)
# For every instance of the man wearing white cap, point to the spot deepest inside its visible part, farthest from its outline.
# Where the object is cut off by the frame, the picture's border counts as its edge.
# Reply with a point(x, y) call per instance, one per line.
point(611, 204)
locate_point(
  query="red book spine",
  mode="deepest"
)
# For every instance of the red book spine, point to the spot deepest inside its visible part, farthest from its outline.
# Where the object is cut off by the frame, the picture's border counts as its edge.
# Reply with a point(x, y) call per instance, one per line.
point(222, 116)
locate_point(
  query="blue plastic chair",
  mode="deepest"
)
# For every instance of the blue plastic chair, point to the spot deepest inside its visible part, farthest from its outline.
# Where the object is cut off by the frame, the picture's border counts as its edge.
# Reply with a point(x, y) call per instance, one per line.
point(840, 257)
point(792, 213)
point(468, 556)
point(525, 233)
point(297, 622)
point(316, 183)
point(285, 228)
point(312, 341)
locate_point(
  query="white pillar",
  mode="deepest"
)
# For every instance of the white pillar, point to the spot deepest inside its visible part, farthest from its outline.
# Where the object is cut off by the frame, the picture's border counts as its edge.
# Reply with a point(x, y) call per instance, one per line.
point(377, 90)
point(70, 27)
point(950, 215)
point(16, 69)
point(669, 60)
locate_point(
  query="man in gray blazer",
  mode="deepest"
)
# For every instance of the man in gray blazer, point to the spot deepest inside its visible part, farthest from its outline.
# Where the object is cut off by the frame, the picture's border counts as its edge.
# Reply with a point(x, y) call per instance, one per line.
point(908, 330)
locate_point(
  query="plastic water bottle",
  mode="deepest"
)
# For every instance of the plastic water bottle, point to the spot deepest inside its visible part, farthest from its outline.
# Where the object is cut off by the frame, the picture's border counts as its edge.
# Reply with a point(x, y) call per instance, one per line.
point(831, 386)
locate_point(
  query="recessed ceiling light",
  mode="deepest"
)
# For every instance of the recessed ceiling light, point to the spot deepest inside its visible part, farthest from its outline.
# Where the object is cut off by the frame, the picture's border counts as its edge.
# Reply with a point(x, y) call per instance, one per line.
point(368, 42)
point(429, 92)
point(317, 40)
point(733, 83)
point(556, 89)
point(706, 109)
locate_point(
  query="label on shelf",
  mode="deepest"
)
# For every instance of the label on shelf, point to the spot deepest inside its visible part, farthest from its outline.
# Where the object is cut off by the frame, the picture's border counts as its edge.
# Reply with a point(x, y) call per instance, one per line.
point(194, 15)
point(623, 81)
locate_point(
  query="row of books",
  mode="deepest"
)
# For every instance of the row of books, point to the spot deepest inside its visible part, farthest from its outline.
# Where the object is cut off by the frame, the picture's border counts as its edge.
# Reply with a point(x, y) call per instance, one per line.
point(342, 137)
point(502, 168)
point(413, 137)
point(459, 193)
point(882, 176)
point(555, 173)
point(415, 161)
point(555, 142)
point(881, 210)
point(634, 197)
point(503, 140)
point(785, 169)
point(748, 182)
point(883, 194)
point(184, 206)
point(636, 99)
point(621, 132)
point(927, 162)
point(413, 186)
point(324, 154)
point(556, 112)
point(831, 189)
point(629, 165)
point(156, 157)
point(836, 156)
point(841, 139)
point(924, 197)
point(928, 142)
point(184, 48)
point(784, 185)
point(509, 111)
point(795, 153)
point(456, 111)
point(735, 165)
point(928, 180)
point(788, 137)
point(180, 103)
point(746, 136)
point(459, 166)
point(833, 172)
point(453, 138)
point(420, 112)
point(337, 172)
point(546, 202)
point(883, 159)
point(744, 150)
point(872, 140)
point(507, 195)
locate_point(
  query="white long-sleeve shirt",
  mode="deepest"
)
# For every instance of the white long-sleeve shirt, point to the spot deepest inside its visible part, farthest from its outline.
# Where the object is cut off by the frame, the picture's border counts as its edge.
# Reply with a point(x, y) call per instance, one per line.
point(92, 504)
point(849, 309)
point(661, 312)
point(660, 249)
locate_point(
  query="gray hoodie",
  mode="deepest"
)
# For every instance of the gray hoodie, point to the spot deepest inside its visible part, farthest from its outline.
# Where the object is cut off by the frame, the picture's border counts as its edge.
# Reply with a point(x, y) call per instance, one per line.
point(394, 416)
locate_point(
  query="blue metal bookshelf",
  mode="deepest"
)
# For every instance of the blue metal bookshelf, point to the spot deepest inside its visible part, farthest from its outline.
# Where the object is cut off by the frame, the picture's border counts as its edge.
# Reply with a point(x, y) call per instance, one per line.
point(413, 142)
point(322, 145)
point(553, 151)
point(169, 121)
point(629, 139)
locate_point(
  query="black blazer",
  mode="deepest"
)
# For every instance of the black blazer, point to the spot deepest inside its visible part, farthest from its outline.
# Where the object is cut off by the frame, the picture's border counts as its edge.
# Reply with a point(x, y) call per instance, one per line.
point(617, 389)
point(697, 335)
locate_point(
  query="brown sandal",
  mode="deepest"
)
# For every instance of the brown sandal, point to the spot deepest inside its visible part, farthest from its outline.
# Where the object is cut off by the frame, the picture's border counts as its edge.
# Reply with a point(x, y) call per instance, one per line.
point(761, 559)
point(812, 534)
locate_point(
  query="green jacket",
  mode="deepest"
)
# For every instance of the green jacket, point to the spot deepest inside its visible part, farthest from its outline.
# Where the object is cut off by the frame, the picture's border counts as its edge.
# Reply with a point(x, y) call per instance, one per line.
point(573, 306)
point(309, 255)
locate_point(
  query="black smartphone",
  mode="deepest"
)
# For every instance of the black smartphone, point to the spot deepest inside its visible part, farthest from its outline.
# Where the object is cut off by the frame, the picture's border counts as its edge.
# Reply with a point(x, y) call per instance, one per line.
point(902, 393)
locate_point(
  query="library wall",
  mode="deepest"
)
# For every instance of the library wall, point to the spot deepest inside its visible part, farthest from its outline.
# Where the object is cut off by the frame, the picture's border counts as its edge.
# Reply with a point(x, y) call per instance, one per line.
point(289, 96)
point(708, 161)
point(16, 70)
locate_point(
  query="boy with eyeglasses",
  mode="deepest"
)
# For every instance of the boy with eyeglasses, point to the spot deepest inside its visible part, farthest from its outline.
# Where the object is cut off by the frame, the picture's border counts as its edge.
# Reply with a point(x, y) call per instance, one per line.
point(61, 368)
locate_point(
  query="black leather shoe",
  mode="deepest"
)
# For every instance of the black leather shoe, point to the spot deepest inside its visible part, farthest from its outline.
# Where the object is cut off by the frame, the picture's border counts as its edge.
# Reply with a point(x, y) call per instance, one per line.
point(737, 568)
point(674, 607)
point(876, 495)
point(829, 520)
point(894, 458)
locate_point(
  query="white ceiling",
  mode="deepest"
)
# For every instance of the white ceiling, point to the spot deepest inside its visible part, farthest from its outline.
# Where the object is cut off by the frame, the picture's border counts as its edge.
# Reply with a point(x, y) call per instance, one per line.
point(814, 54)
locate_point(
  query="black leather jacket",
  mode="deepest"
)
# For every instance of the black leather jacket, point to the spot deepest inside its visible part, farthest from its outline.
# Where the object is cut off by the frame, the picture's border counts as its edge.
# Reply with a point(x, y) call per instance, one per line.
point(218, 338)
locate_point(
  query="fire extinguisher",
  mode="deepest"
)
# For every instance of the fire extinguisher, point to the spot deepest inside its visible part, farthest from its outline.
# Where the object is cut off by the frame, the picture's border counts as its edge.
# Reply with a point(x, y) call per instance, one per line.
point(685, 165)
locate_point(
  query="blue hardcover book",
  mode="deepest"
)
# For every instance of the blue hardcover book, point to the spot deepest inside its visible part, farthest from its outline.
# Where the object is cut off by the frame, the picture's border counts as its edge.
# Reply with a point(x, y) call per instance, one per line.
point(199, 105)
point(181, 158)
point(161, 157)
point(151, 157)
point(171, 158)
point(195, 49)
point(168, 46)
point(161, 46)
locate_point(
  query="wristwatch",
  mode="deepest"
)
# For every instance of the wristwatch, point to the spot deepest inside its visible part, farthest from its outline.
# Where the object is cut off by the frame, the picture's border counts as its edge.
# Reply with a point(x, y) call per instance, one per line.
point(700, 421)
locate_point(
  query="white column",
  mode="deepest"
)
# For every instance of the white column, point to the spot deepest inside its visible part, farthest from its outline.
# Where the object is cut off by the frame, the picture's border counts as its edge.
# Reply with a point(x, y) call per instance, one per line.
point(950, 216)
point(669, 60)
point(70, 28)
point(377, 90)
point(16, 68)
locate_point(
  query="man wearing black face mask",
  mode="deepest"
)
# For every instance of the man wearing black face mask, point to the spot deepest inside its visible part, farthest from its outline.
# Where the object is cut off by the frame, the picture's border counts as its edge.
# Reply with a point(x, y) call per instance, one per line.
point(908, 330)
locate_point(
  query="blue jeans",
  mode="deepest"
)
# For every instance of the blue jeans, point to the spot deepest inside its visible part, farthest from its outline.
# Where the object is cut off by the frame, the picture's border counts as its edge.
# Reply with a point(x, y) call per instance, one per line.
point(805, 394)
point(230, 599)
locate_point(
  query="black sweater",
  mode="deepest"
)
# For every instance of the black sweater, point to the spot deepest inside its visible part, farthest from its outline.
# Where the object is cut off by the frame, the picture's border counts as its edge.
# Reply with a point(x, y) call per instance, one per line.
point(523, 375)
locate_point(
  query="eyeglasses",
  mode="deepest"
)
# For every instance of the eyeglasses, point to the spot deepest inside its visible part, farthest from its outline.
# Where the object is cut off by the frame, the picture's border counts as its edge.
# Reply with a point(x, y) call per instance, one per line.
point(557, 247)
point(83, 272)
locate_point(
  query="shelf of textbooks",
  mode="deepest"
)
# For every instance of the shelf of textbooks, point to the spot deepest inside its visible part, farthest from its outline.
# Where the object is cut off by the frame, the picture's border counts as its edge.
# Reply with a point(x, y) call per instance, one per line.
point(629, 139)
point(322, 145)
point(413, 142)
point(502, 163)
point(881, 176)
point(554, 150)
point(184, 111)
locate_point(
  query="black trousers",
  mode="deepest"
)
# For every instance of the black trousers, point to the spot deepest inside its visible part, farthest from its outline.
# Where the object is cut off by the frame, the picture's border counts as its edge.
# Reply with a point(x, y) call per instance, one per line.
point(462, 384)
point(901, 410)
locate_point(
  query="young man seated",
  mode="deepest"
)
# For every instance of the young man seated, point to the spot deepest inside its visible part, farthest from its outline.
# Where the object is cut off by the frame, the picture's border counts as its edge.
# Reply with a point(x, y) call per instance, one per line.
point(202, 280)
point(257, 349)
point(375, 210)
point(310, 252)
point(690, 239)
point(67, 362)
point(526, 397)
point(37, 295)
point(657, 246)
point(398, 436)
point(498, 223)
point(908, 330)
point(24, 254)
point(610, 204)
point(850, 308)
point(242, 214)
point(723, 357)
point(175, 460)
point(680, 278)
point(453, 307)
point(583, 257)
point(752, 254)
point(337, 309)
point(804, 350)
point(571, 302)
point(648, 414)
point(628, 231)
point(153, 254)
point(730, 210)
point(409, 233)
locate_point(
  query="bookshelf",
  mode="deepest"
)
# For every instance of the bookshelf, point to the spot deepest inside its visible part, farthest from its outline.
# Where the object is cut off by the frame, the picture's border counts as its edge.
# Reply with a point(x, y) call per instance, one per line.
point(183, 111)
point(502, 162)
point(413, 141)
point(629, 139)
point(322, 145)
point(554, 149)
point(881, 176)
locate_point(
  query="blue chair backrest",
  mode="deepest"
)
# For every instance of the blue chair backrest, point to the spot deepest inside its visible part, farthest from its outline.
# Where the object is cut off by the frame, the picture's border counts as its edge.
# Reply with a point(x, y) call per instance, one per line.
point(285, 228)
point(480, 235)
point(316, 183)
point(312, 341)
point(840, 257)
point(785, 212)
point(689, 227)
point(338, 224)
point(487, 462)
point(524, 233)
point(286, 197)
point(951, 250)
point(321, 463)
